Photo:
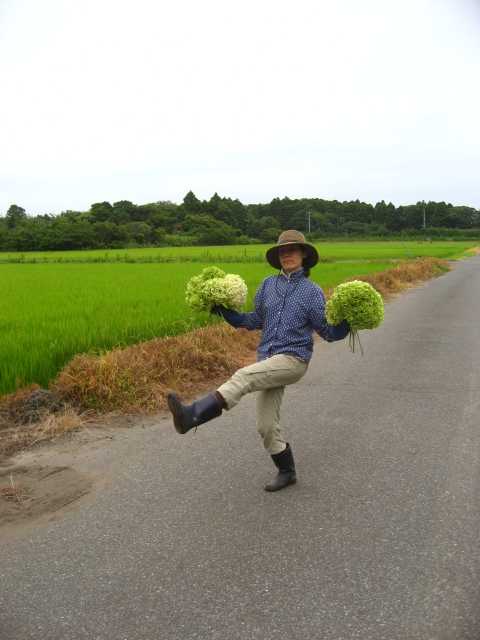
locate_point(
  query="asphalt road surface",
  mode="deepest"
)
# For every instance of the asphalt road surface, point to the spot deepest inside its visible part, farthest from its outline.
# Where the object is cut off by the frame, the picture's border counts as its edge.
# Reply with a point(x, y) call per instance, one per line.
point(378, 539)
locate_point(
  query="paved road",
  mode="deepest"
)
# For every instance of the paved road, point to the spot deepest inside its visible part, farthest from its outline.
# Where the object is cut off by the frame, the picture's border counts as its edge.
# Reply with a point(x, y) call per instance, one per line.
point(379, 538)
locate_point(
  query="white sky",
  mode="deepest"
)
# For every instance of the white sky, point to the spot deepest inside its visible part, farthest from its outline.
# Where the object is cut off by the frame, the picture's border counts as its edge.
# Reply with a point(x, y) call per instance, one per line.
point(146, 100)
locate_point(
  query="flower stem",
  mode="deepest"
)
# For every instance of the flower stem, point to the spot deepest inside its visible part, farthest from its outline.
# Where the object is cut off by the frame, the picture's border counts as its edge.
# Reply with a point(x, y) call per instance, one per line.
point(354, 335)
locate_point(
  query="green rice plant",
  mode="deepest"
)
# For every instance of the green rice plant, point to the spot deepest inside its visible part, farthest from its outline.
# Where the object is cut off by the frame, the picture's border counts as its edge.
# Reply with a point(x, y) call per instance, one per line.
point(394, 250)
point(391, 250)
point(50, 312)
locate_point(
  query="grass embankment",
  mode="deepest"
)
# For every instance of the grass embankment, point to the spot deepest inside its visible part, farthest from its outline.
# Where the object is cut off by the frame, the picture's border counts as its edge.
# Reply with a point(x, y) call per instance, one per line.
point(137, 379)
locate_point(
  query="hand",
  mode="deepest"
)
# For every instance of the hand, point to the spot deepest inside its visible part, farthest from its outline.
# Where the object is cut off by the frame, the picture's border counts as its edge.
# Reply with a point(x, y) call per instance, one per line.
point(341, 331)
point(229, 315)
point(217, 310)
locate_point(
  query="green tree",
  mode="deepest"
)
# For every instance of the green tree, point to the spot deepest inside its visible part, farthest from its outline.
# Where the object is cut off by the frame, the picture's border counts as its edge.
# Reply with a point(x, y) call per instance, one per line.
point(101, 211)
point(381, 213)
point(123, 212)
point(14, 215)
point(209, 231)
point(466, 217)
point(160, 214)
point(140, 232)
point(393, 220)
point(211, 207)
point(240, 214)
point(69, 231)
point(192, 204)
point(266, 222)
point(109, 235)
point(440, 217)
point(225, 214)
point(270, 234)
point(4, 234)
point(413, 216)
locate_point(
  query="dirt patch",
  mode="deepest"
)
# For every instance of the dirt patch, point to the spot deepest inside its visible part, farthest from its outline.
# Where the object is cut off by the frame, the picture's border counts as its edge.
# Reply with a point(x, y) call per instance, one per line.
point(46, 481)
point(46, 490)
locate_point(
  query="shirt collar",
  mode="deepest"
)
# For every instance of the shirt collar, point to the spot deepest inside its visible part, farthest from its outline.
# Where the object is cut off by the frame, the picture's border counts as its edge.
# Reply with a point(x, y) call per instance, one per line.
point(294, 275)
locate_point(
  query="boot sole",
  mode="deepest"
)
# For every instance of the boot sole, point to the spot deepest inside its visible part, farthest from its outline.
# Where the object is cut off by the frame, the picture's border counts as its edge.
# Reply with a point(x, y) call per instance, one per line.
point(175, 407)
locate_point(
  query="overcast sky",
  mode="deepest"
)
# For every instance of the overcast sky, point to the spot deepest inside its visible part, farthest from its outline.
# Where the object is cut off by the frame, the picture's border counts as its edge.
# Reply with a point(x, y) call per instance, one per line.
point(146, 100)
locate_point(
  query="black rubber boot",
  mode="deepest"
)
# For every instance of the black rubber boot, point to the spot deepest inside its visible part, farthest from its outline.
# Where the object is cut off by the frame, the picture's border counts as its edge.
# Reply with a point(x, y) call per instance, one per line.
point(186, 417)
point(286, 470)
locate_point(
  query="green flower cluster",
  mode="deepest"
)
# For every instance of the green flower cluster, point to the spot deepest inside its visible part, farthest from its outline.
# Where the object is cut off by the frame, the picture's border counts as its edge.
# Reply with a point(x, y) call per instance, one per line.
point(212, 287)
point(359, 304)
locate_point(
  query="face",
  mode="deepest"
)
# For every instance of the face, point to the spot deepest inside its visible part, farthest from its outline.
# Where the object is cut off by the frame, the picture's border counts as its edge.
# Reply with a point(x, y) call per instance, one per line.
point(291, 257)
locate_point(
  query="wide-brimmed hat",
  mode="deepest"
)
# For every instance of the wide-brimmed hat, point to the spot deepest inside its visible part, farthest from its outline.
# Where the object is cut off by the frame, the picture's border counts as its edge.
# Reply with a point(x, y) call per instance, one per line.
point(292, 237)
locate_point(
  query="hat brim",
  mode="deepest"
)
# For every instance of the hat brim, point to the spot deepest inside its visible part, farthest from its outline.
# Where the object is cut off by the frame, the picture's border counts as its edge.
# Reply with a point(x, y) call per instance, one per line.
point(274, 260)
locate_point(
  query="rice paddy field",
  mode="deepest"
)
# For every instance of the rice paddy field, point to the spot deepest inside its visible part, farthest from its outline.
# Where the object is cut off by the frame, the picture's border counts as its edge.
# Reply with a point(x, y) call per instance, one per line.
point(56, 305)
point(247, 253)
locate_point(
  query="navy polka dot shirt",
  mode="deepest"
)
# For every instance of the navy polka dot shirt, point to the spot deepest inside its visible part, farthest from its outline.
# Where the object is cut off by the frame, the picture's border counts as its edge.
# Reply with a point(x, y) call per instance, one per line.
point(288, 310)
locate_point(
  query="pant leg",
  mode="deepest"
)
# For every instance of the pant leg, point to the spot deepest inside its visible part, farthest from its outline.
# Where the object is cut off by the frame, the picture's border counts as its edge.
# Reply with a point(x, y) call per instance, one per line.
point(269, 402)
point(269, 377)
point(276, 371)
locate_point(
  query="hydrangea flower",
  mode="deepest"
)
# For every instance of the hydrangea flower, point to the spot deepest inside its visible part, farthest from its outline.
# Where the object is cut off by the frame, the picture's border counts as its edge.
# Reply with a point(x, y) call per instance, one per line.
point(359, 304)
point(213, 287)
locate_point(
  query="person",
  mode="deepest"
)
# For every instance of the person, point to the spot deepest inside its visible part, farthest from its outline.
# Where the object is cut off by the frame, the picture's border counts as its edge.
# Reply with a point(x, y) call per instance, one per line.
point(288, 307)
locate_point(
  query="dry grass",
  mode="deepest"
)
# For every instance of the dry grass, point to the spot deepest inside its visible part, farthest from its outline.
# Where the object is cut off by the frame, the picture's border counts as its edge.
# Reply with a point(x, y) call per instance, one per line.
point(24, 421)
point(138, 378)
point(15, 492)
point(404, 276)
point(27, 405)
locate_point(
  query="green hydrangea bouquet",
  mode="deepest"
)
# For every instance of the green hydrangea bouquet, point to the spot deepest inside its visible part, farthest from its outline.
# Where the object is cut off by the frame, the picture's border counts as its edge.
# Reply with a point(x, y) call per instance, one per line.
point(213, 287)
point(359, 304)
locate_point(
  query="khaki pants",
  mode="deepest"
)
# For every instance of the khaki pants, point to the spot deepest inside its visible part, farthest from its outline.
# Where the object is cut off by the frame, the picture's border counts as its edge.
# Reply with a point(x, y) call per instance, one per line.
point(269, 377)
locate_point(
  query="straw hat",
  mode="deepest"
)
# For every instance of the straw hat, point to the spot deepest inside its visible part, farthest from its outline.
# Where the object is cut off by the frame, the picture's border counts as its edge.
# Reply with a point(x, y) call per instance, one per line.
point(292, 237)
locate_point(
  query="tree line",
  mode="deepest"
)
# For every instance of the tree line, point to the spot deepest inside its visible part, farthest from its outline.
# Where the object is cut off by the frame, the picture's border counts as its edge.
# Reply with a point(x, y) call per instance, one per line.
point(222, 221)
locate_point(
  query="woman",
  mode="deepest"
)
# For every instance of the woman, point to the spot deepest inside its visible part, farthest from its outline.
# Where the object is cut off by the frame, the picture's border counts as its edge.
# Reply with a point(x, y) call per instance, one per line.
point(288, 308)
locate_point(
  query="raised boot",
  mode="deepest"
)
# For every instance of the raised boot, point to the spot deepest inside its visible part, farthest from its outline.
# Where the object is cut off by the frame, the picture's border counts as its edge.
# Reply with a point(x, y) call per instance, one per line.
point(188, 416)
point(286, 470)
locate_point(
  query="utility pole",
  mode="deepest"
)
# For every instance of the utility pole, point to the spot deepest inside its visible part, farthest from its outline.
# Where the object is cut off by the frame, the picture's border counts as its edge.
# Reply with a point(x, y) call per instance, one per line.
point(309, 221)
point(424, 218)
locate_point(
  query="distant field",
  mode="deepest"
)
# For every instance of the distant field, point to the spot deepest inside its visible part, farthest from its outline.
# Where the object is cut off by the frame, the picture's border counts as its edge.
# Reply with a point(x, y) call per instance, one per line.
point(253, 253)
